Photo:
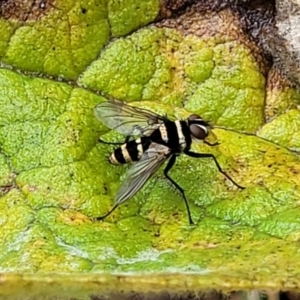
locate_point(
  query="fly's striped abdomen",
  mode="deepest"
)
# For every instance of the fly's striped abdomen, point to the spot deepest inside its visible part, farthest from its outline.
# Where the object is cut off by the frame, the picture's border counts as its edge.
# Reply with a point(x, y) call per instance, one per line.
point(175, 135)
point(130, 151)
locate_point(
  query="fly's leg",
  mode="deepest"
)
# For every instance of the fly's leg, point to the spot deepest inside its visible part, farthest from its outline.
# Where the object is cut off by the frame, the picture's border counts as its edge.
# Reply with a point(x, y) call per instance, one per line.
point(211, 144)
point(109, 143)
point(107, 214)
point(166, 170)
point(210, 155)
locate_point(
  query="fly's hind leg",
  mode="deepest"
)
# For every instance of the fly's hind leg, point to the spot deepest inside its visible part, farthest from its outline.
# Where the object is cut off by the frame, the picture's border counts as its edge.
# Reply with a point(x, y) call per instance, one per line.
point(109, 143)
point(166, 170)
point(108, 213)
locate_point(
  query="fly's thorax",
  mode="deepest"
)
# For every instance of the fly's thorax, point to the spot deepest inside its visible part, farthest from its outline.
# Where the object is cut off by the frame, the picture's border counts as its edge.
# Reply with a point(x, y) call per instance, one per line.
point(183, 135)
point(199, 128)
point(173, 134)
point(164, 133)
point(130, 151)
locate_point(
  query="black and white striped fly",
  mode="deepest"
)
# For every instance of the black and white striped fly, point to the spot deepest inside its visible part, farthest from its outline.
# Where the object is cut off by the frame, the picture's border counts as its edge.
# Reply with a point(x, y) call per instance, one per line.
point(159, 139)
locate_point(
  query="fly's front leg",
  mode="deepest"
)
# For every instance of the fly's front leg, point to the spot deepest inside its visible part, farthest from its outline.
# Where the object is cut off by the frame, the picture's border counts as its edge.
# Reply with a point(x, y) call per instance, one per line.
point(169, 166)
point(109, 143)
point(209, 155)
point(211, 144)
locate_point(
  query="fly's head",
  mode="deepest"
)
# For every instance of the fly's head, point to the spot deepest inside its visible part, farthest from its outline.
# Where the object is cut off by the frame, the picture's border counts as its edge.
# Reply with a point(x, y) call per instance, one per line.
point(198, 127)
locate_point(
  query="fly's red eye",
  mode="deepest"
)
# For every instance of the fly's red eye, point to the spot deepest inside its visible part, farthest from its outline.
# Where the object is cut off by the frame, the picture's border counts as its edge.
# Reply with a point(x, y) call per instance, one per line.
point(198, 131)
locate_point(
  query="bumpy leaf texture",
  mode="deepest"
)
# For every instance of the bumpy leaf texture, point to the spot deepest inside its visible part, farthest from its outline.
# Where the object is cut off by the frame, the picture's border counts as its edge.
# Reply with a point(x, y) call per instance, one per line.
point(59, 59)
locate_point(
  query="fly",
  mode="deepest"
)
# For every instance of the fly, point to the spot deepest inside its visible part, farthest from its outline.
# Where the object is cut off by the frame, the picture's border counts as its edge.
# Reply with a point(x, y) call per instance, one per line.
point(159, 140)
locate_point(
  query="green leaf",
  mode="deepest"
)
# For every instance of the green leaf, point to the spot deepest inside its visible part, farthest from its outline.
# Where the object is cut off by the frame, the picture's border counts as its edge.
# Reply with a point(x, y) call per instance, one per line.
point(55, 178)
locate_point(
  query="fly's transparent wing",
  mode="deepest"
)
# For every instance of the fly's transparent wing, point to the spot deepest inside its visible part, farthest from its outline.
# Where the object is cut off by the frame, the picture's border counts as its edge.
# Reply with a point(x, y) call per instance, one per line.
point(142, 170)
point(127, 119)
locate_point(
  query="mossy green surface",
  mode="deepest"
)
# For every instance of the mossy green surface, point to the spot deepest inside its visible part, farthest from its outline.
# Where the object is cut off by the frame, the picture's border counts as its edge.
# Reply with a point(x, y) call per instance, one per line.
point(284, 130)
point(129, 15)
point(162, 65)
point(60, 43)
point(55, 177)
point(63, 180)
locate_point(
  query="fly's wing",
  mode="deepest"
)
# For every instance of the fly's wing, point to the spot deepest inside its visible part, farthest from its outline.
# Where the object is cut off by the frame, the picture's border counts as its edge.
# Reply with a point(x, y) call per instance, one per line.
point(141, 171)
point(126, 119)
